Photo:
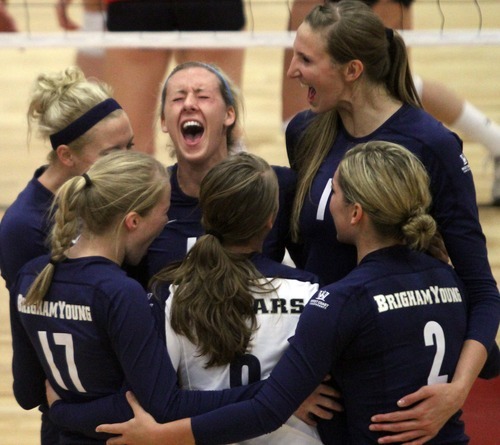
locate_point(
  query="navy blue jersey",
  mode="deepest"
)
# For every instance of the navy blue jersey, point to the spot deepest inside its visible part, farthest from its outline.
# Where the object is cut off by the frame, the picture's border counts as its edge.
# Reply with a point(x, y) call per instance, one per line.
point(395, 323)
point(24, 228)
point(92, 333)
point(184, 226)
point(454, 208)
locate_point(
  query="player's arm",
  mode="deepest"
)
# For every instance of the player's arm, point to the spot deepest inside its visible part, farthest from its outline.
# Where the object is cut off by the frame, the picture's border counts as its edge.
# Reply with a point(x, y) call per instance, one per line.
point(296, 375)
point(144, 430)
point(29, 376)
point(434, 404)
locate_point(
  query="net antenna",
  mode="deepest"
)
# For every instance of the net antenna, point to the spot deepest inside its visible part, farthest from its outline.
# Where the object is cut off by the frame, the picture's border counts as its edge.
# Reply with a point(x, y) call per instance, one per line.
point(479, 15)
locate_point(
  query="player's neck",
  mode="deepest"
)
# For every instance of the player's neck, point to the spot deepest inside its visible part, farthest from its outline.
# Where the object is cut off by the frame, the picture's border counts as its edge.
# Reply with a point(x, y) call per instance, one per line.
point(368, 112)
point(54, 176)
point(87, 246)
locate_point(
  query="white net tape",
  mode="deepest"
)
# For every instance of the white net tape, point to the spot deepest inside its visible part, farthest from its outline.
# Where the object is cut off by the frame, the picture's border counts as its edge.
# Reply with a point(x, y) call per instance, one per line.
point(236, 39)
point(481, 27)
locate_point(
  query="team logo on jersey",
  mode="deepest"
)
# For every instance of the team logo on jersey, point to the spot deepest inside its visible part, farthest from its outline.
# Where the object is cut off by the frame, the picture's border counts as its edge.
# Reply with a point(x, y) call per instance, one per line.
point(319, 301)
point(466, 166)
point(322, 295)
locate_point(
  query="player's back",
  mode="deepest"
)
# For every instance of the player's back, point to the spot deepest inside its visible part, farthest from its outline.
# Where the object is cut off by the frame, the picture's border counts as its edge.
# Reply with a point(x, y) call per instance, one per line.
point(277, 316)
point(401, 325)
point(72, 329)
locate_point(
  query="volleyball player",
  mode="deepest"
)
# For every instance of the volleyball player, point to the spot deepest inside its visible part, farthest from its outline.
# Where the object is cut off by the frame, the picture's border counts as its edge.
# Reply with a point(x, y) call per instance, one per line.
point(90, 60)
point(78, 320)
point(201, 112)
point(82, 123)
point(440, 101)
point(360, 89)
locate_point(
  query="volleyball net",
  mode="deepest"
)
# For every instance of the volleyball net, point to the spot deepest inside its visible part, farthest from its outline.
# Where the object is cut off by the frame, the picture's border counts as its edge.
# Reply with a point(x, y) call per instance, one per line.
point(266, 27)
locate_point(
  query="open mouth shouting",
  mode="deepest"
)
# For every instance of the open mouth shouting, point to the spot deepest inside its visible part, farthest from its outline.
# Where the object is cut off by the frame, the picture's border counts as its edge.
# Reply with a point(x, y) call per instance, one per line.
point(192, 131)
point(311, 94)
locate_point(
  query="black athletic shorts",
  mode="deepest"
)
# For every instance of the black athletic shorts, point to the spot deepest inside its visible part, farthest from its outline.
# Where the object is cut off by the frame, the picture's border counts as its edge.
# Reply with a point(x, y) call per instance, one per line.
point(403, 2)
point(374, 2)
point(176, 15)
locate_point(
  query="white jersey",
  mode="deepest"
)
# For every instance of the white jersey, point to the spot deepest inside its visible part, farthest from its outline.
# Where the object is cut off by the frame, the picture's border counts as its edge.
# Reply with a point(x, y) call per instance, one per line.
point(277, 316)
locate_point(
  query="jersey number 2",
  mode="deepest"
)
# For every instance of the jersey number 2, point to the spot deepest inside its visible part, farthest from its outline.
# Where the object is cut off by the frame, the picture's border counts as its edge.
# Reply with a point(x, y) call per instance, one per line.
point(434, 335)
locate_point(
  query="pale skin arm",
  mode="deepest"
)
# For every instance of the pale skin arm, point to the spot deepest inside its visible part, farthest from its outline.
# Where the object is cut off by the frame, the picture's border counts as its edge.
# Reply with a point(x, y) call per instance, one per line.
point(321, 404)
point(142, 429)
point(435, 403)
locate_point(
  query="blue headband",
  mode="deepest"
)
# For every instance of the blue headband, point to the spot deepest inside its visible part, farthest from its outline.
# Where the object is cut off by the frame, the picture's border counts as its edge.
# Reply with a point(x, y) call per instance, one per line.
point(222, 80)
point(84, 123)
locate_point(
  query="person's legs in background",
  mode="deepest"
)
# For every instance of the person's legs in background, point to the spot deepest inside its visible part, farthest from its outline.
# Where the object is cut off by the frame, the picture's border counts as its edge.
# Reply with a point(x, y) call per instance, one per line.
point(136, 76)
point(91, 60)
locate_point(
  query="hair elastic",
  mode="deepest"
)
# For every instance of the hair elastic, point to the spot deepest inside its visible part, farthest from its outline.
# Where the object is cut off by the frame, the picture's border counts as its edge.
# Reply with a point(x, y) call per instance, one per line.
point(88, 182)
point(215, 234)
point(389, 33)
point(84, 123)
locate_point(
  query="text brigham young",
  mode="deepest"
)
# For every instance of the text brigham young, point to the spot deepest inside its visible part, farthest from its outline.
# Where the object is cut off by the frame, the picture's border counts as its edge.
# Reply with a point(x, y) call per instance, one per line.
point(409, 298)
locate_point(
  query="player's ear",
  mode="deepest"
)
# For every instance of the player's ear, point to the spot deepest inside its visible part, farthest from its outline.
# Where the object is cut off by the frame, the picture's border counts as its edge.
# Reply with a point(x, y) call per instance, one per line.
point(357, 213)
point(353, 69)
point(164, 127)
point(65, 155)
point(230, 116)
point(131, 221)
